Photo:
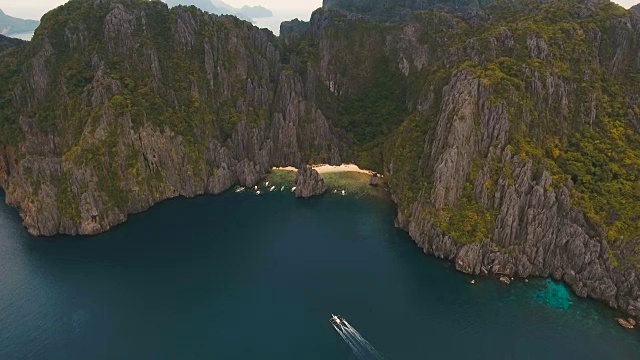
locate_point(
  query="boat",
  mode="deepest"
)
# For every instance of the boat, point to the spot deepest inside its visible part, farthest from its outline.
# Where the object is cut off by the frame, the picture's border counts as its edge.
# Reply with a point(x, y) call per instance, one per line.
point(627, 323)
point(239, 189)
point(282, 189)
point(258, 192)
point(344, 193)
point(266, 184)
point(272, 188)
point(293, 189)
point(337, 320)
point(255, 188)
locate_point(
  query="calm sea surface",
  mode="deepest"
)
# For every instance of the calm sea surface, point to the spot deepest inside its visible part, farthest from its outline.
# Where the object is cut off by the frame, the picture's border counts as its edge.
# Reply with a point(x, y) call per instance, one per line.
point(22, 36)
point(273, 23)
point(240, 276)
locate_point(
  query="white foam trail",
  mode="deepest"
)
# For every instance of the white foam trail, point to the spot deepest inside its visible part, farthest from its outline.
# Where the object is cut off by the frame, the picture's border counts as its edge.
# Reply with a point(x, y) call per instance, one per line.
point(358, 344)
point(364, 343)
point(352, 344)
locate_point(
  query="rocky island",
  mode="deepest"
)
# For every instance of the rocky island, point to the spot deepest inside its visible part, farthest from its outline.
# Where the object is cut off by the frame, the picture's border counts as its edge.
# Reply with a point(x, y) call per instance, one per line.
point(309, 183)
point(508, 133)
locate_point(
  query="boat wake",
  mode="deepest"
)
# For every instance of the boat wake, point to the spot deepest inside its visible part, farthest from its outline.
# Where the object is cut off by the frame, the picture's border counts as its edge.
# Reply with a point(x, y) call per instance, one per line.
point(360, 347)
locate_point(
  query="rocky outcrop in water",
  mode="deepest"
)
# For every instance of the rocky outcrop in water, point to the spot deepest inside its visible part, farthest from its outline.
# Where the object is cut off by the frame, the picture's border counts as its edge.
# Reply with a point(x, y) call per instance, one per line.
point(309, 183)
point(376, 180)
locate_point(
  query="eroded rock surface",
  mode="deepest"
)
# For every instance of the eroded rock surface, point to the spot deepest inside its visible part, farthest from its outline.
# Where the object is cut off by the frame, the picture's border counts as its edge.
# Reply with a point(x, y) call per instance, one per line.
point(309, 183)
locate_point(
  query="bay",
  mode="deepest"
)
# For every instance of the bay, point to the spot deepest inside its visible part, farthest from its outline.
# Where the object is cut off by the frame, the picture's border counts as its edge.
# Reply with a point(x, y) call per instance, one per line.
point(240, 276)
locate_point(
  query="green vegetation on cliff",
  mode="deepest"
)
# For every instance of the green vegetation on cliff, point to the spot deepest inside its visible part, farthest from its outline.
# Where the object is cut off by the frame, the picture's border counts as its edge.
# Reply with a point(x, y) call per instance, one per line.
point(10, 131)
point(397, 9)
point(560, 70)
point(8, 43)
point(573, 105)
point(585, 132)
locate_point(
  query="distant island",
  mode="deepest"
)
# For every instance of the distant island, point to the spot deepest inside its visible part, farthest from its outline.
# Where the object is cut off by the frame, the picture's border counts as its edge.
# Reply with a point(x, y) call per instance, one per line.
point(10, 25)
point(204, 5)
point(219, 7)
point(256, 12)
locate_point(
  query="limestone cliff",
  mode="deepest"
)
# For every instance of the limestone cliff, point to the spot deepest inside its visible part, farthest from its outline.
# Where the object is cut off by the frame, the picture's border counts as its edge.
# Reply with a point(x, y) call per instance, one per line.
point(505, 162)
point(132, 104)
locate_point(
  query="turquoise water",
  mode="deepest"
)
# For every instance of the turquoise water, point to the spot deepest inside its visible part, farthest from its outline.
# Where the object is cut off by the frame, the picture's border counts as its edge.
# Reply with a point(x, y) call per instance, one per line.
point(245, 277)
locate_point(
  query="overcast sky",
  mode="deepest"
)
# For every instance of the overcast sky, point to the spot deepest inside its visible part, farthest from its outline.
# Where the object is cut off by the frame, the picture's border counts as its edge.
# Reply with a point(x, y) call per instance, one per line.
point(34, 9)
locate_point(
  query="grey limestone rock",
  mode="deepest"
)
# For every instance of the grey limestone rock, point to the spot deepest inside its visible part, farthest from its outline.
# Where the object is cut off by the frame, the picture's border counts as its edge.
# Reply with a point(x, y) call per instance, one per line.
point(309, 183)
point(376, 180)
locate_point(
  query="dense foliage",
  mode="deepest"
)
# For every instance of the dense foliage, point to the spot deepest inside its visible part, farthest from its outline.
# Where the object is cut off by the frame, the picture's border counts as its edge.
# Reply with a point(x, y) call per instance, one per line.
point(599, 150)
point(397, 9)
point(169, 93)
point(8, 43)
point(295, 26)
point(10, 63)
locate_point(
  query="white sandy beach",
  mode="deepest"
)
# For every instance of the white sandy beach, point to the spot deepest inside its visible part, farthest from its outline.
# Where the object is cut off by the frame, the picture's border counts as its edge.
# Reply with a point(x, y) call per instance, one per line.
point(326, 169)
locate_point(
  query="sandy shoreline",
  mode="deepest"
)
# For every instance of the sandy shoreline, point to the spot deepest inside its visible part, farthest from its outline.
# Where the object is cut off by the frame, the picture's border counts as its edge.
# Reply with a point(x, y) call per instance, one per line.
point(326, 169)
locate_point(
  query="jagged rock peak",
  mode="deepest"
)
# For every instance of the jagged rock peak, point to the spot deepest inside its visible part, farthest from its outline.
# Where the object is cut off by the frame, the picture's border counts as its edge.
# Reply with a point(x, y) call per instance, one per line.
point(309, 183)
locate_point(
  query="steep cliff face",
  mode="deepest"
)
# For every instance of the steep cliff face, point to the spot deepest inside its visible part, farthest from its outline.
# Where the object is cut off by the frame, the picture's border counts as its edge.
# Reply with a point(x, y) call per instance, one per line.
point(509, 134)
point(521, 181)
point(111, 119)
point(519, 148)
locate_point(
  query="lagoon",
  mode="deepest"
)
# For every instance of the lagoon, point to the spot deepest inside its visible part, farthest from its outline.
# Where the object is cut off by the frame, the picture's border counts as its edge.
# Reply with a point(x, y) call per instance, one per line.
point(239, 276)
